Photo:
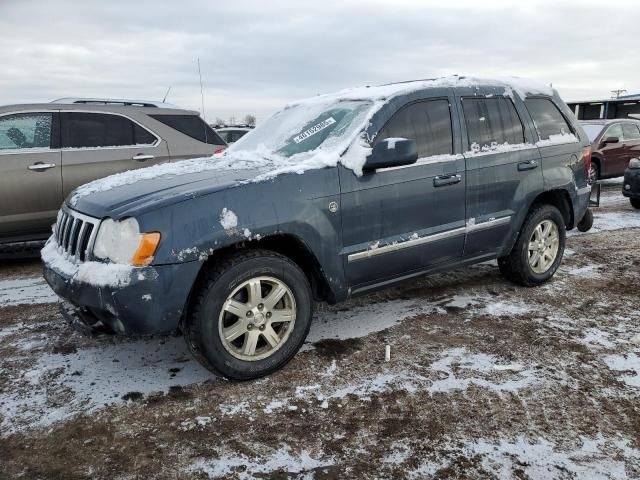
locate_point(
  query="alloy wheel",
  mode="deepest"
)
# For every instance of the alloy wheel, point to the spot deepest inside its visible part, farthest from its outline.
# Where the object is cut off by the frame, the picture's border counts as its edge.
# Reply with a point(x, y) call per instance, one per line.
point(257, 318)
point(544, 245)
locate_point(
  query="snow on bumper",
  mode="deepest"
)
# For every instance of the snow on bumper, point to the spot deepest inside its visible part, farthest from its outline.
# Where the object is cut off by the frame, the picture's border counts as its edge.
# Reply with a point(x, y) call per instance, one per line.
point(129, 300)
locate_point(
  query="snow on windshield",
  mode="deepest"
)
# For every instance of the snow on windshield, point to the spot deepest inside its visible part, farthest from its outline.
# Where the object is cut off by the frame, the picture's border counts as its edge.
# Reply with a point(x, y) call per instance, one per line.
point(305, 127)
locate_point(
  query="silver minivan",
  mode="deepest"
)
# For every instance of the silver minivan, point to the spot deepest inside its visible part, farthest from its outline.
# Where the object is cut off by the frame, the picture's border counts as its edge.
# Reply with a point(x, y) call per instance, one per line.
point(47, 150)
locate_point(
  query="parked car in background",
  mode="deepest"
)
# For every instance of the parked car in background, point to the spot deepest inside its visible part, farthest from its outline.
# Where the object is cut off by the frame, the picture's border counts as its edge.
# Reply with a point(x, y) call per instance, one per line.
point(332, 197)
point(231, 134)
point(631, 184)
point(47, 150)
point(614, 143)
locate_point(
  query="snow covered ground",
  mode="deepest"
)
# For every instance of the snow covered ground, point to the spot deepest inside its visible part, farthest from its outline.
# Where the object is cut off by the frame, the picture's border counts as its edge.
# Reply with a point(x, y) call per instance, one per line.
point(485, 380)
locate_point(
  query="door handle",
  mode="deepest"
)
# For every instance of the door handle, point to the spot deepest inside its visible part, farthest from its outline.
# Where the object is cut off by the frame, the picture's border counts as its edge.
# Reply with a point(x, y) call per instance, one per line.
point(446, 180)
point(141, 157)
point(530, 165)
point(41, 167)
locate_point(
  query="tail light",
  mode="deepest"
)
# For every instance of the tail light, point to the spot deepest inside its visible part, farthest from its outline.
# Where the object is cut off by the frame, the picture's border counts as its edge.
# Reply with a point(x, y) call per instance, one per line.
point(222, 149)
point(586, 154)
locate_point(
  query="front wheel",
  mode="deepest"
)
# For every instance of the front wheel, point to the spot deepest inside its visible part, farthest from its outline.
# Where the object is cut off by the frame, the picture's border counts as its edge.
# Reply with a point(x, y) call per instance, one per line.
point(538, 251)
point(250, 316)
point(635, 202)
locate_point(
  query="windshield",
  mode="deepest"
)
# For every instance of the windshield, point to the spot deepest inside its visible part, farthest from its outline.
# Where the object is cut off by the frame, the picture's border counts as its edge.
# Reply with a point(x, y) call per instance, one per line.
point(592, 129)
point(306, 128)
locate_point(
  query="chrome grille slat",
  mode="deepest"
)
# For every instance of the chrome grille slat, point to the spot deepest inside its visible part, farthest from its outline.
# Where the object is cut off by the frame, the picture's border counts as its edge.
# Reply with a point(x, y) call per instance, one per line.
point(63, 224)
point(75, 233)
point(78, 252)
point(73, 236)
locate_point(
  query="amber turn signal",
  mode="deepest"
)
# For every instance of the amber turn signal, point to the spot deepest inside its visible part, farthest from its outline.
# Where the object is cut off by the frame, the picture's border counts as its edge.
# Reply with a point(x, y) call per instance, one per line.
point(146, 249)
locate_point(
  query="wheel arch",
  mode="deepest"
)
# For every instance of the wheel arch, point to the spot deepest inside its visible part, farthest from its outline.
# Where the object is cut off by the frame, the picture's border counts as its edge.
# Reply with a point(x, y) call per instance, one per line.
point(287, 245)
point(560, 199)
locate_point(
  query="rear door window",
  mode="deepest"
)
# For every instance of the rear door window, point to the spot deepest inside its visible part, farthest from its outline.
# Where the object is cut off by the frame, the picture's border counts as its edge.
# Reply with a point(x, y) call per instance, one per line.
point(192, 126)
point(427, 122)
point(25, 130)
point(547, 118)
point(630, 131)
point(95, 130)
point(492, 121)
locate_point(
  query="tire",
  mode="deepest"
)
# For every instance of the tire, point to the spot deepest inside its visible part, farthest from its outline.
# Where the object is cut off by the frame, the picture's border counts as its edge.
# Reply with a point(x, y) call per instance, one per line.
point(516, 266)
point(594, 173)
point(586, 223)
point(635, 202)
point(262, 272)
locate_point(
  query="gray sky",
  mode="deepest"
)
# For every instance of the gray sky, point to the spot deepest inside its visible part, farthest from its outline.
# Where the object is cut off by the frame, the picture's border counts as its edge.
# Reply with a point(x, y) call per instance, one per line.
point(258, 55)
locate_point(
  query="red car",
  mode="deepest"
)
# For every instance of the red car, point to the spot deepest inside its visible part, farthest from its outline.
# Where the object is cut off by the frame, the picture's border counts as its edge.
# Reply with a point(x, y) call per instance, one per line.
point(614, 143)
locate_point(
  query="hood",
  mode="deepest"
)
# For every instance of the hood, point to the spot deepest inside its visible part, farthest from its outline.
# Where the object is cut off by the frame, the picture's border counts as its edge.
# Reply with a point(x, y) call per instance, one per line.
point(137, 191)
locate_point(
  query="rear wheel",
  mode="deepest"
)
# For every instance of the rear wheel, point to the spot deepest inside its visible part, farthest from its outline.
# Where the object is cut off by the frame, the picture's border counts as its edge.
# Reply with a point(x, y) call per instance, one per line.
point(250, 316)
point(538, 251)
point(635, 202)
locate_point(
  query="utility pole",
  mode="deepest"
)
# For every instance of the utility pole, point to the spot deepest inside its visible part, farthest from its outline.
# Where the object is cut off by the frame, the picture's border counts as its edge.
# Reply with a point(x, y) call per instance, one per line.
point(616, 93)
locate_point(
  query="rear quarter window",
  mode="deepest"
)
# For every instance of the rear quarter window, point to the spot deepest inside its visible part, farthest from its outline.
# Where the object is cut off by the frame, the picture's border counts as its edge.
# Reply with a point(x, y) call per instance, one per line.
point(192, 126)
point(547, 118)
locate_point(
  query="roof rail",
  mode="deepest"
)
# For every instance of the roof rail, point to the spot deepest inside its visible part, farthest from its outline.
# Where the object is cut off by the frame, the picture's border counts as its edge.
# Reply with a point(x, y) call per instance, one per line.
point(114, 101)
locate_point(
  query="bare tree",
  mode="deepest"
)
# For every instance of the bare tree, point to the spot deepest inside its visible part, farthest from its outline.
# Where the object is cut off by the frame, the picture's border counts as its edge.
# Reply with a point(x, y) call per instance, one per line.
point(250, 120)
point(219, 121)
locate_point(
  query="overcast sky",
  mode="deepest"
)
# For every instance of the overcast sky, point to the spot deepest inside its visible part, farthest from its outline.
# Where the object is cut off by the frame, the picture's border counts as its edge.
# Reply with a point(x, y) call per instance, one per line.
point(258, 55)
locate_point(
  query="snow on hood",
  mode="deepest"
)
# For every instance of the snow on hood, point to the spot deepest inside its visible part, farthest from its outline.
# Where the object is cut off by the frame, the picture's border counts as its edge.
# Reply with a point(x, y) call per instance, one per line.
point(350, 149)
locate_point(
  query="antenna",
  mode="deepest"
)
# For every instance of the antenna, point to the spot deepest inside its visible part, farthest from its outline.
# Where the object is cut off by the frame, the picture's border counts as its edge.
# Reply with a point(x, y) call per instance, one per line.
point(166, 94)
point(204, 116)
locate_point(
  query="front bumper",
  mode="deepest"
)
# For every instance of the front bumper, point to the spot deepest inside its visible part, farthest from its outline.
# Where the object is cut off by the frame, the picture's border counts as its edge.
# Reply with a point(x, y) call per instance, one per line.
point(153, 299)
point(631, 184)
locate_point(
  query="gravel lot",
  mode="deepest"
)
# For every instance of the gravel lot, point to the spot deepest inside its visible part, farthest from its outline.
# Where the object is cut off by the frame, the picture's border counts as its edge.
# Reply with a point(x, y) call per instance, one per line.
point(486, 380)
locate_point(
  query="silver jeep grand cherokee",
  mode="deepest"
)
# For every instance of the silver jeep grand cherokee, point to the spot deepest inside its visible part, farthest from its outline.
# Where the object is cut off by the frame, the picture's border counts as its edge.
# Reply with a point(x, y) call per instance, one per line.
point(47, 150)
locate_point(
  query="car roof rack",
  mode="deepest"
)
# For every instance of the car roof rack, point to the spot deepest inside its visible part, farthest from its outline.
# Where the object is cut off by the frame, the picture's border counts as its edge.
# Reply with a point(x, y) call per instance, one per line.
point(114, 101)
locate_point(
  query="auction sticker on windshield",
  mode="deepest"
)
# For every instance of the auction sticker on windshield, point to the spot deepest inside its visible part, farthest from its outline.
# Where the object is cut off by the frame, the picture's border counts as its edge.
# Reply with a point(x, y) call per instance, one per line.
point(313, 130)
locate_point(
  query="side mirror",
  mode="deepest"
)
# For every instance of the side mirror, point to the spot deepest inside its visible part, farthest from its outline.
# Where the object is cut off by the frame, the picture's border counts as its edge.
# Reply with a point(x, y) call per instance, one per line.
point(392, 152)
point(610, 140)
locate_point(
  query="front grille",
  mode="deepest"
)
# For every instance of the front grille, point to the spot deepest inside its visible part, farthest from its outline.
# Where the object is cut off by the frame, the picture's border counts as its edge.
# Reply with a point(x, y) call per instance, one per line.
point(75, 233)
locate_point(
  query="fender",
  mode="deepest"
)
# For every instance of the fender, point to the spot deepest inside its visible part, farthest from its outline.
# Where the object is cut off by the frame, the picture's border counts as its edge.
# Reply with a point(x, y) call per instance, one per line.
point(195, 230)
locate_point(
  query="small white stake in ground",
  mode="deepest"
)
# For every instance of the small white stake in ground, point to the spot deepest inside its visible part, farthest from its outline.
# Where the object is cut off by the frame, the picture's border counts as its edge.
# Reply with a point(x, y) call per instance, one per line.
point(387, 353)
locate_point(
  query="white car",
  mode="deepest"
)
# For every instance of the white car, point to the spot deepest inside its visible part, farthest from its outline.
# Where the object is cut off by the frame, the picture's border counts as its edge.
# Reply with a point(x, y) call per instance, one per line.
point(232, 134)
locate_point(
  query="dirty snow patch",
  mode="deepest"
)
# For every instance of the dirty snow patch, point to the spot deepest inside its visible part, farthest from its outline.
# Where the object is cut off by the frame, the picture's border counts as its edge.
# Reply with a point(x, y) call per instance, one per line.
point(628, 365)
point(25, 291)
point(60, 386)
point(461, 369)
point(245, 468)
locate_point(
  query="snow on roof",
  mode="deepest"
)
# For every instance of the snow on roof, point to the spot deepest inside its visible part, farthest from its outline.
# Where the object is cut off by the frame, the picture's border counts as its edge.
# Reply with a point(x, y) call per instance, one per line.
point(519, 85)
point(351, 150)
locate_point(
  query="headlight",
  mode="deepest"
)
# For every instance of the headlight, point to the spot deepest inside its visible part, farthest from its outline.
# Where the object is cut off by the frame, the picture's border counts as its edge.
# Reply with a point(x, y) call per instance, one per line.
point(634, 163)
point(122, 242)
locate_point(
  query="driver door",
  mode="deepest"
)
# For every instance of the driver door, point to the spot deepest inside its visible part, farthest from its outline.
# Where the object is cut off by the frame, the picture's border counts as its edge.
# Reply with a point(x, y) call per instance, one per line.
point(401, 221)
